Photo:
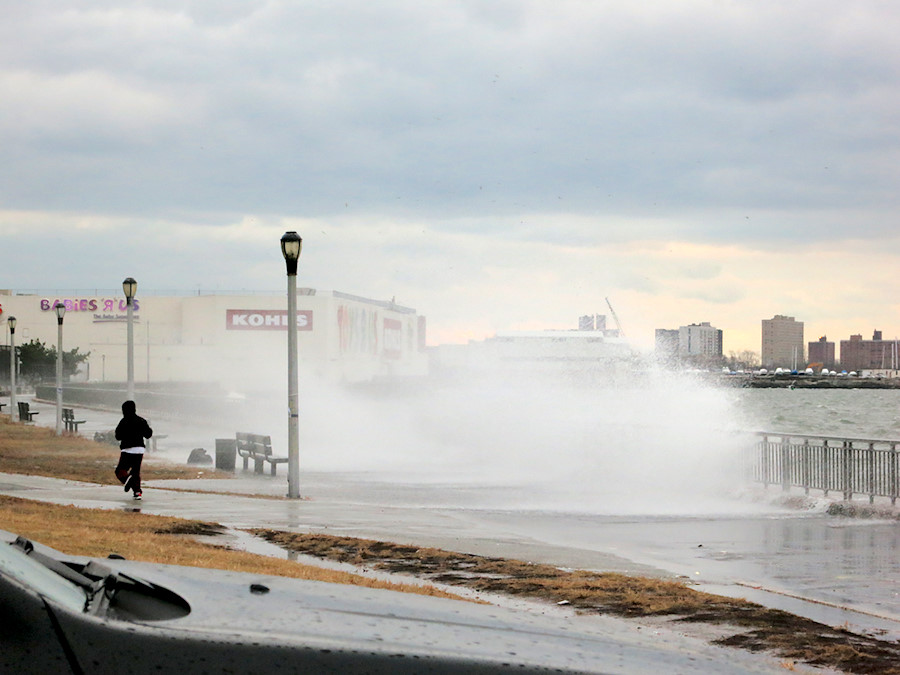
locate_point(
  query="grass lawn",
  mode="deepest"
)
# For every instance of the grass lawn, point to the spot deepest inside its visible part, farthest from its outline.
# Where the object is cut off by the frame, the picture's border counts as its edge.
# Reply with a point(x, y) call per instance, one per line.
point(159, 539)
point(38, 451)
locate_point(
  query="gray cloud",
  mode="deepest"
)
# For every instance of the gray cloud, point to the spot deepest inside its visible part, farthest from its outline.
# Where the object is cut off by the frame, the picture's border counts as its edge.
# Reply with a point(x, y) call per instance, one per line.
point(681, 115)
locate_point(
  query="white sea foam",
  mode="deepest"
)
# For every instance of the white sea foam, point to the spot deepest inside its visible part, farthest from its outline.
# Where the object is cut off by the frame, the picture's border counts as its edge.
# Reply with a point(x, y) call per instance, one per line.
point(666, 442)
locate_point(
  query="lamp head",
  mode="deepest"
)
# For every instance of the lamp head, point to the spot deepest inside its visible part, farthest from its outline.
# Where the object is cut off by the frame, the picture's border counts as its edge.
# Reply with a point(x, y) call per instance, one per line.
point(291, 244)
point(130, 288)
point(11, 322)
point(60, 311)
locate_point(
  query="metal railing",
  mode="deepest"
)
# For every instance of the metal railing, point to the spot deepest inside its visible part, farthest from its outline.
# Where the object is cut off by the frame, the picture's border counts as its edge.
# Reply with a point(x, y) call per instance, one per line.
point(862, 466)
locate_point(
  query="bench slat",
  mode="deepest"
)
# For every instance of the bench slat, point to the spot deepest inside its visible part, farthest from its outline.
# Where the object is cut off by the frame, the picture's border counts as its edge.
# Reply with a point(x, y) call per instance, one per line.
point(257, 447)
point(26, 415)
point(68, 416)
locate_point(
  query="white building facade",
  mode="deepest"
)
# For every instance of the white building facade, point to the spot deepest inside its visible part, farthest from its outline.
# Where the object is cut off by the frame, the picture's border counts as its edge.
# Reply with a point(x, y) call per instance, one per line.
point(699, 339)
point(570, 355)
point(237, 341)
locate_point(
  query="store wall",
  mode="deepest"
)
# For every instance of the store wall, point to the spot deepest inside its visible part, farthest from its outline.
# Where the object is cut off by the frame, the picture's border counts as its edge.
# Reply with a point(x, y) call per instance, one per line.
point(238, 341)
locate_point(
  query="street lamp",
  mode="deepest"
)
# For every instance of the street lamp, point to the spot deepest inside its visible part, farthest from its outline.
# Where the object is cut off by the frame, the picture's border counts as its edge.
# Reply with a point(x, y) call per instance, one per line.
point(11, 322)
point(60, 313)
point(130, 288)
point(291, 243)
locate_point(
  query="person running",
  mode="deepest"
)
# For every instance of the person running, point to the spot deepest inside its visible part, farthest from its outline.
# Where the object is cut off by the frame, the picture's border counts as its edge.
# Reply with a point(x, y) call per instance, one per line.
point(130, 433)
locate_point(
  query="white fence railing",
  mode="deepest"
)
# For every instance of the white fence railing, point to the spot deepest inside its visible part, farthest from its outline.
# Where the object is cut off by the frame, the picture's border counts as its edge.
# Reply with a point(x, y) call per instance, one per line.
point(861, 466)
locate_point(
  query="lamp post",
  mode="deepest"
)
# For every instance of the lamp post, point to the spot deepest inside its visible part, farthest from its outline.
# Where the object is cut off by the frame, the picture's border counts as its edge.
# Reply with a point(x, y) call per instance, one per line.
point(291, 243)
point(130, 288)
point(13, 404)
point(60, 313)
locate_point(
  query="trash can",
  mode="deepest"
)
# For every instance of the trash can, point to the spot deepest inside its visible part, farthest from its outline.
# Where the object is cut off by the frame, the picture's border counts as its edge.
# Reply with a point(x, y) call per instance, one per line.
point(226, 450)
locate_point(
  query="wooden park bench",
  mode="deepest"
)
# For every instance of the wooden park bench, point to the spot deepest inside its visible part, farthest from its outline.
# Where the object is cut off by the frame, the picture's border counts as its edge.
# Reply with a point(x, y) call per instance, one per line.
point(259, 449)
point(26, 415)
point(68, 418)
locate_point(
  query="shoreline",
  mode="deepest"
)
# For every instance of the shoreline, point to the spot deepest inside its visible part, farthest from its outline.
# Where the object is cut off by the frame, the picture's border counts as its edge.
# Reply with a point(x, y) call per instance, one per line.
point(803, 381)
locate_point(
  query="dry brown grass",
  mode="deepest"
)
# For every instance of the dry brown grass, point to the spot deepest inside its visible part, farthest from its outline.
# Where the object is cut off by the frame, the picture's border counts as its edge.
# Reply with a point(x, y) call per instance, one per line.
point(755, 627)
point(615, 593)
point(38, 451)
point(160, 539)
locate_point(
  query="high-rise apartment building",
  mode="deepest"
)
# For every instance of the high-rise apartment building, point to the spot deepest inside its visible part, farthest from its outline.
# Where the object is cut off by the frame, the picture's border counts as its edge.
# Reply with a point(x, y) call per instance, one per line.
point(699, 339)
point(822, 352)
point(875, 354)
point(782, 342)
point(592, 322)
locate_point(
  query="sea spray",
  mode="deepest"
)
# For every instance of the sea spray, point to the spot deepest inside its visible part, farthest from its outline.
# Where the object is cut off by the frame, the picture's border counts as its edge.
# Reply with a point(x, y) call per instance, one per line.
point(664, 442)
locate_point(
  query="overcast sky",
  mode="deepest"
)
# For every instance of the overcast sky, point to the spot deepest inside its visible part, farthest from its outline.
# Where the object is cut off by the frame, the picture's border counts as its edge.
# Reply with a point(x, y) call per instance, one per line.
point(496, 165)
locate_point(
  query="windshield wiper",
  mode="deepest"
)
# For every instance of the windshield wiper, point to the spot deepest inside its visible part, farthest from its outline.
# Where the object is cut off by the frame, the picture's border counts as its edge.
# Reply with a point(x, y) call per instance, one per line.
point(97, 581)
point(111, 593)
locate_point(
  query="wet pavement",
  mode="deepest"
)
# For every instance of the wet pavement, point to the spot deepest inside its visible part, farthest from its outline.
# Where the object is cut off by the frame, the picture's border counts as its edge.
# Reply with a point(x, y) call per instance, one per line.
point(837, 571)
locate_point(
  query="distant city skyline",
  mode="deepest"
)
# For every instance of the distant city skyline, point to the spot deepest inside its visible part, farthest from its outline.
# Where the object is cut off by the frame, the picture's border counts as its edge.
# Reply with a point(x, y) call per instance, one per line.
point(784, 343)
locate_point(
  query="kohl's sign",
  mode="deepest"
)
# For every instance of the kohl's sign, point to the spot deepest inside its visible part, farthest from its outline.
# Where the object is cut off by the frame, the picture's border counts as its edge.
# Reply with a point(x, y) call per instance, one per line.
point(265, 319)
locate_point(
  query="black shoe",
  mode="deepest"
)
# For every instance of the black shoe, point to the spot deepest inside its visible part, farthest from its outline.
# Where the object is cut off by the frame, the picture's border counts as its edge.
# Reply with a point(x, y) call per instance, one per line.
point(137, 496)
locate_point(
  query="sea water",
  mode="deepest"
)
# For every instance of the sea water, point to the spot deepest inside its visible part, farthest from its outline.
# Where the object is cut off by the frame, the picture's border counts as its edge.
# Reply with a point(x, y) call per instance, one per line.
point(850, 413)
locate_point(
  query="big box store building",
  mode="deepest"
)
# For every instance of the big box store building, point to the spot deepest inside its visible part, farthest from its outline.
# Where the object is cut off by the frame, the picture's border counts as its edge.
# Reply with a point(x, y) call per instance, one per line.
point(235, 341)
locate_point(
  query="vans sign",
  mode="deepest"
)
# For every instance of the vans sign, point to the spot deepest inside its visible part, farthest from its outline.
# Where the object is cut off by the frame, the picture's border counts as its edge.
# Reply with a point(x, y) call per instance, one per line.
point(265, 319)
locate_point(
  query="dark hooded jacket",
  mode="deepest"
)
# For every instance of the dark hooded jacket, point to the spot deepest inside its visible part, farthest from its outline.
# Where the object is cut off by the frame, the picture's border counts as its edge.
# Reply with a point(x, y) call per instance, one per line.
point(133, 428)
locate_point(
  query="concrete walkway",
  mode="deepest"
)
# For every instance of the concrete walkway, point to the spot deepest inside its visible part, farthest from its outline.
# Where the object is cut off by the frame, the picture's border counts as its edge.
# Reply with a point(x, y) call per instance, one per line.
point(323, 511)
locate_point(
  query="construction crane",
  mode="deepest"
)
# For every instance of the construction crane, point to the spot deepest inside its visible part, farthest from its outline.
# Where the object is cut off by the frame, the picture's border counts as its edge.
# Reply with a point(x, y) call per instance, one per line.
point(615, 318)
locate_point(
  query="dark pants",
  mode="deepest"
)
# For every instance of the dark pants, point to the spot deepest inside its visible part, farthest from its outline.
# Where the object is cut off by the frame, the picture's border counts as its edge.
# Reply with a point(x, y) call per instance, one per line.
point(130, 465)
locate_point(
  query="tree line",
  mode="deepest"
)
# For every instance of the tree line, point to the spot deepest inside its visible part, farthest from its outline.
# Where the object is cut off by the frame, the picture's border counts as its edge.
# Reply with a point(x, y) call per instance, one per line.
point(37, 362)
